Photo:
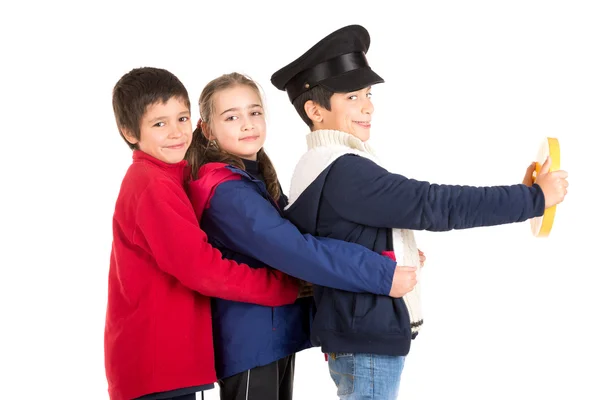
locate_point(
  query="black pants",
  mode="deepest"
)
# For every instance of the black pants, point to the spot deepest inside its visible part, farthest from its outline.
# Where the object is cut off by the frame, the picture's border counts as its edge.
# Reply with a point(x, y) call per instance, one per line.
point(270, 382)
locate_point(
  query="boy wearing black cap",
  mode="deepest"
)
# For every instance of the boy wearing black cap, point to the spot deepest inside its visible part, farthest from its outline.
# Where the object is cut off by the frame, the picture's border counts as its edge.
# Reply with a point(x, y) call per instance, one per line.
point(339, 190)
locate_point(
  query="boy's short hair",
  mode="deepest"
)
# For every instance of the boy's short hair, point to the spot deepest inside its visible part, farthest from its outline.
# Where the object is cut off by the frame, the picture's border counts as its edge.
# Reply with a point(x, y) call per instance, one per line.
point(319, 95)
point(140, 88)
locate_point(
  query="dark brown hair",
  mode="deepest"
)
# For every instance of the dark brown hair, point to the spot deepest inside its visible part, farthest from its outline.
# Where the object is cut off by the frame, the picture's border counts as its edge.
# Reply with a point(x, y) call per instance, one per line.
point(140, 88)
point(319, 95)
point(203, 151)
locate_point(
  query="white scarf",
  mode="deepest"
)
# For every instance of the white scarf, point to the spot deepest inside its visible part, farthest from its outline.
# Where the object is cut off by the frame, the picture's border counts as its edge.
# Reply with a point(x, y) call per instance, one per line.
point(324, 147)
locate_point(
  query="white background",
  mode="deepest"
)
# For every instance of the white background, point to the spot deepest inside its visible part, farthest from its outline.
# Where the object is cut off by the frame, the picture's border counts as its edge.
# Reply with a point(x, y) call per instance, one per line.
point(472, 88)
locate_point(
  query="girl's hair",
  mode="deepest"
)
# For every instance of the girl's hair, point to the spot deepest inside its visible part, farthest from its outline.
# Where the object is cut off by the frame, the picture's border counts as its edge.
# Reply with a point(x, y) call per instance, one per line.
point(203, 151)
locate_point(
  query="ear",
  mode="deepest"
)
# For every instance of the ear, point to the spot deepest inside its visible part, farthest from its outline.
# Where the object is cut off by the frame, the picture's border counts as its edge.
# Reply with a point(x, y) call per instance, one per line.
point(314, 111)
point(129, 136)
point(205, 130)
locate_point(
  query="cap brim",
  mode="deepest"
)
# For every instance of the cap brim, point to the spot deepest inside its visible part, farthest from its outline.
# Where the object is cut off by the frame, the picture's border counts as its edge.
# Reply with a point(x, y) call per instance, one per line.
point(352, 80)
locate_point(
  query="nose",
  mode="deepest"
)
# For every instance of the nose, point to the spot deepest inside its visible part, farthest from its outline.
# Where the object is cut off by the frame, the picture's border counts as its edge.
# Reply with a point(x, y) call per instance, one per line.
point(176, 132)
point(367, 107)
point(247, 125)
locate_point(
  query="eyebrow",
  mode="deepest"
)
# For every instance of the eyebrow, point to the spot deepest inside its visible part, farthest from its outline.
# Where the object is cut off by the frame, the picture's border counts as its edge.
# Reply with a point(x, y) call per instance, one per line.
point(165, 117)
point(368, 89)
point(237, 108)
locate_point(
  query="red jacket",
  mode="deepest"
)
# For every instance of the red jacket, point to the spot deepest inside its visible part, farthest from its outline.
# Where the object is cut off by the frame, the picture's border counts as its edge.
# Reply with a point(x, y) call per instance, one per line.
point(158, 333)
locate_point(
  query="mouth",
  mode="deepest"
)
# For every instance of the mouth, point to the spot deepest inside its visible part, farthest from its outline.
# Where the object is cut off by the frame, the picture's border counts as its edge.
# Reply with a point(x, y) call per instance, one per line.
point(176, 146)
point(249, 138)
point(364, 124)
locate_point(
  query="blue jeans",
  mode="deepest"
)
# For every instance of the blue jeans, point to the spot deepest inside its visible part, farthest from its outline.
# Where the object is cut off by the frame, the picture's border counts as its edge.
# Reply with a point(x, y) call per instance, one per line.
point(366, 376)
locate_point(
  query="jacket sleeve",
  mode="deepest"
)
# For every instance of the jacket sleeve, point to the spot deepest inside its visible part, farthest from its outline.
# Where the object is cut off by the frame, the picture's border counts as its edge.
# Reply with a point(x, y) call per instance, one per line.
point(241, 219)
point(365, 193)
point(167, 226)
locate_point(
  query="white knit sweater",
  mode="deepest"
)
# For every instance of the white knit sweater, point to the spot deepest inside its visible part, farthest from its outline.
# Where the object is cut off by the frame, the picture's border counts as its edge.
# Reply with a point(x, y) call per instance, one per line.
point(324, 147)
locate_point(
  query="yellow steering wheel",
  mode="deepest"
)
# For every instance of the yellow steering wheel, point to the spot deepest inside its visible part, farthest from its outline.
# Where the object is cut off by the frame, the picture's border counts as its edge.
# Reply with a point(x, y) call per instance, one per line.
point(541, 226)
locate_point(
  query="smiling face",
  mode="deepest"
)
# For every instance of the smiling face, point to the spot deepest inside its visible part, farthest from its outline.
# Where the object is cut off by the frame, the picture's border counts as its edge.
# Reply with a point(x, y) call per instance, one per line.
point(165, 131)
point(350, 112)
point(238, 122)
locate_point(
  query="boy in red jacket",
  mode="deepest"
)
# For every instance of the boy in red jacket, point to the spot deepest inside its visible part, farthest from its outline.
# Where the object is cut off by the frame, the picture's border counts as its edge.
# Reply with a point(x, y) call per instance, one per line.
point(158, 334)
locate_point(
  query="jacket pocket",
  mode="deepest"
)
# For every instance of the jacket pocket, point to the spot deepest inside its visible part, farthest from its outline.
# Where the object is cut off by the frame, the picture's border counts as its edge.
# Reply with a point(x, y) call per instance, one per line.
point(381, 315)
point(340, 312)
point(273, 327)
point(364, 304)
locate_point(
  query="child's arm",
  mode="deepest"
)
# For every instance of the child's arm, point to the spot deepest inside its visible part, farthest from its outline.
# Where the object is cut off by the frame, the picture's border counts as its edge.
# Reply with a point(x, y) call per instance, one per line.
point(167, 227)
point(242, 220)
point(363, 192)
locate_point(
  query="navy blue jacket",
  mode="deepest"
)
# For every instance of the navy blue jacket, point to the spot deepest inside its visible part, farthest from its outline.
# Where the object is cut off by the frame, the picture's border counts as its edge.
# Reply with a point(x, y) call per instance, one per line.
point(356, 200)
point(246, 225)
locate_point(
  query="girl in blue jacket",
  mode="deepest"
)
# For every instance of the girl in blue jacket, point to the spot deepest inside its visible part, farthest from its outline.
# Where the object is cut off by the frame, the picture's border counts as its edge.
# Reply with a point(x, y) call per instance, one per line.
point(239, 202)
